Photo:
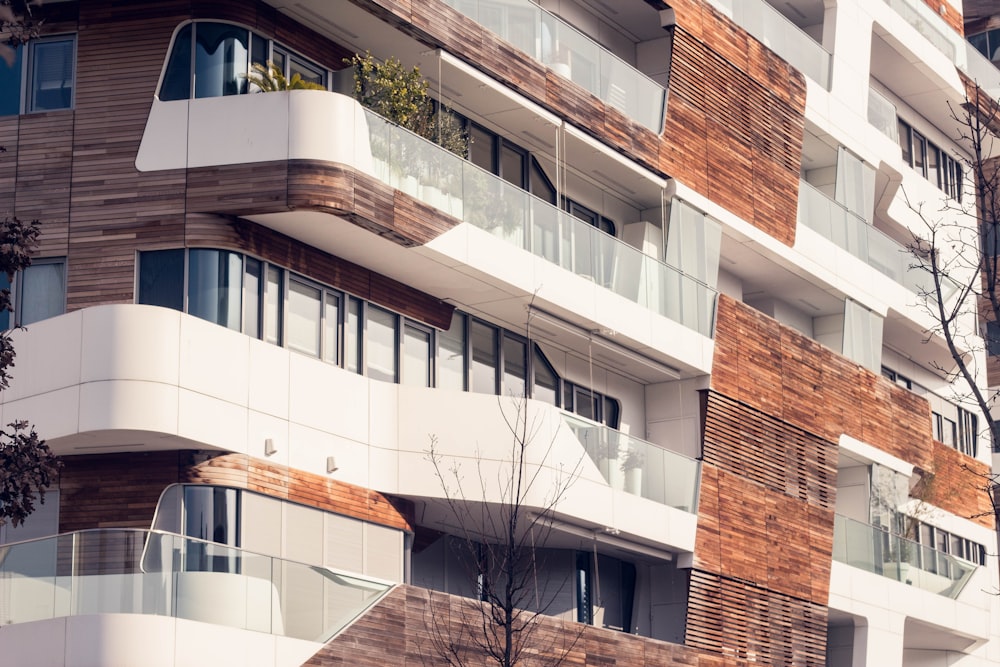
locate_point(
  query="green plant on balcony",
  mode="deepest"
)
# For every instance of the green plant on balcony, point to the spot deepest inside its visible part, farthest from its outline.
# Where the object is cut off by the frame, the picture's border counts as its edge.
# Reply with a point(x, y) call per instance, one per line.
point(269, 79)
point(400, 94)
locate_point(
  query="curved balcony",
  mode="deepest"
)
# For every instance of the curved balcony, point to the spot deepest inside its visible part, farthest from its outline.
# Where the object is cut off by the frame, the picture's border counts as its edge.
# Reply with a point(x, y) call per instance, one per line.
point(128, 571)
point(571, 54)
point(154, 378)
point(875, 550)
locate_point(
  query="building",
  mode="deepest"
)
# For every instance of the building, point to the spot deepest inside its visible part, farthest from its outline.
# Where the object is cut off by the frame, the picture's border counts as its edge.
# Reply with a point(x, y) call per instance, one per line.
point(676, 249)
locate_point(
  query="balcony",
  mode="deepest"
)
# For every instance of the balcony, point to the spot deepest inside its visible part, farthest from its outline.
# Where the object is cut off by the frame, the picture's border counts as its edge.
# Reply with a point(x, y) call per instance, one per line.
point(852, 233)
point(875, 550)
point(918, 15)
point(573, 55)
point(124, 571)
point(461, 189)
point(638, 467)
point(782, 36)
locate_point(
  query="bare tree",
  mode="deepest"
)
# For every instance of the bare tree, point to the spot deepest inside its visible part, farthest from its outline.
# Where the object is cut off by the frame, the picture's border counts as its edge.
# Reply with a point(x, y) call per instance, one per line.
point(959, 250)
point(505, 518)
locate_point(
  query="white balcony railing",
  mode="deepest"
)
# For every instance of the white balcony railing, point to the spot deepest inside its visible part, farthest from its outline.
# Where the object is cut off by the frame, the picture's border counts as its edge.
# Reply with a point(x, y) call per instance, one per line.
point(780, 35)
point(572, 54)
point(458, 187)
point(125, 571)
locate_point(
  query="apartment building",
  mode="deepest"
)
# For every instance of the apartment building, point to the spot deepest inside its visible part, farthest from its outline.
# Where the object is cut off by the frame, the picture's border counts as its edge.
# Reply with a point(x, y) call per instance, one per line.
point(671, 263)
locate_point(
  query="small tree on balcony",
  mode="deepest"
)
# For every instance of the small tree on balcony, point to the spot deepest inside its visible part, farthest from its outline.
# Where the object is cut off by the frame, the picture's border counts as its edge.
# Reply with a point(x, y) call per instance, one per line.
point(401, 95)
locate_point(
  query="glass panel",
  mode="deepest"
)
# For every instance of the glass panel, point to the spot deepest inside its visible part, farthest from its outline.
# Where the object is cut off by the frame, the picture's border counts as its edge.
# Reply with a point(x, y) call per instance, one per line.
point(484, 358)
point(512, 166)
point(381, 346)
point(272, 305)
point(482, 148)
point(416, 356)
point(10, 84)
point(221, 54)
point(331, 328)
point(43, 292)
point(514, 367)
point(5, 315)
point(52, 74)
point(215, 286)
point(161, 278)
point(451, 355)
point(252, 286)
point(352, 336)
point(302, 330)
point(307, 71)
point(546, 386)
point(177, 78)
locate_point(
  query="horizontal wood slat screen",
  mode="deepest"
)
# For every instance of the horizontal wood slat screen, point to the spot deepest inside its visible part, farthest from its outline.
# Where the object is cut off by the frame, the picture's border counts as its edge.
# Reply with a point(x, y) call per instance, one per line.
point(410, 623)
point(748, 624)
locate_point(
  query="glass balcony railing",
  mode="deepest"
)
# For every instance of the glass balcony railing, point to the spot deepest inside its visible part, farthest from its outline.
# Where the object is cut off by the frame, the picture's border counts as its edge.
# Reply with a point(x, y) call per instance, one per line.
point(875, 550)
point(120, 571)
point(639, 467)
point(454, 185)
point(982, 71)
point(919, 15)
point(882, 114)
point(780, 35)
point(572, 54)
point(850, 232)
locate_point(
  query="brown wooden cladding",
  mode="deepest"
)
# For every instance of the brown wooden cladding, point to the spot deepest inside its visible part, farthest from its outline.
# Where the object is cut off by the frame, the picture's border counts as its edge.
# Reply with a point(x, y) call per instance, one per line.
point(735, 116)
point(121, 490)
point(407, 626)
point(741, 440)
point(960, 484)
point(782, 373)
point(749, 624)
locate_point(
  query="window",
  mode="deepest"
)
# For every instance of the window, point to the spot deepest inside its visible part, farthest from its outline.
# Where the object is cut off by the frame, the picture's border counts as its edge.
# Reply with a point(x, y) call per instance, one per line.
point(41, 78)
point(282, 308)
point(968, 432)
point(944, 429)
point(214, 60)
point(930, 161)
point(40, 291)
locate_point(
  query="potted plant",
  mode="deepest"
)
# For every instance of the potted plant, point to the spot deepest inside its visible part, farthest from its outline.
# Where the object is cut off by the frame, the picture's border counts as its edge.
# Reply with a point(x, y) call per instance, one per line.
point(631, 465)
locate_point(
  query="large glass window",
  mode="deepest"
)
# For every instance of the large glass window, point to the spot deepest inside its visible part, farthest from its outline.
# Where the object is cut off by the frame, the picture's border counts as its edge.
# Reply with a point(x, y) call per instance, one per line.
point(304, 317)
point(215, 286)
point(41, 291)
point(484, 358)
point(416, 356)
point(381, 350)
point(217, 58)
point(161, 278)
point(451, 355)
point(42, 75)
